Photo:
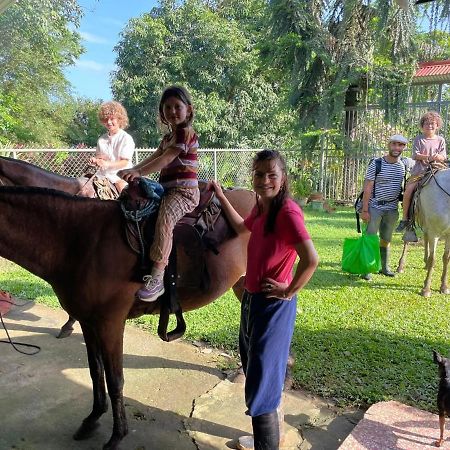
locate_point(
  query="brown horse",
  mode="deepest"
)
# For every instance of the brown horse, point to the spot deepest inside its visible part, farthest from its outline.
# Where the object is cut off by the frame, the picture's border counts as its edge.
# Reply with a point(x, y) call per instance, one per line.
point(15, 172)
point(74, 244)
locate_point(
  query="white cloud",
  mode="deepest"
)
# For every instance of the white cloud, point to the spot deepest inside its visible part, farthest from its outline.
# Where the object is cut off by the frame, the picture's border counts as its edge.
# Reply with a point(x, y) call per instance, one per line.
point(90, 65)
point(94, 39)
point(111, 21)
point(95, 66)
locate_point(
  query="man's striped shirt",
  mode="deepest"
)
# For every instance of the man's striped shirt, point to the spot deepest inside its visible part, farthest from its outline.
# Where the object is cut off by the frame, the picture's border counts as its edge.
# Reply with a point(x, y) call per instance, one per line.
point(388, 184)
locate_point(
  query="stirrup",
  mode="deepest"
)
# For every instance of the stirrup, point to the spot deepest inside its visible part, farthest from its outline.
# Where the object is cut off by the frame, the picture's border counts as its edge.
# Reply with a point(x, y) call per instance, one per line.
point(403, 225)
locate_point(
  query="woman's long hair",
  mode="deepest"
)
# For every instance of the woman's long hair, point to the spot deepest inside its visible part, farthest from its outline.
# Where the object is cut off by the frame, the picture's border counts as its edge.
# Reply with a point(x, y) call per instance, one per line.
point(283, 194)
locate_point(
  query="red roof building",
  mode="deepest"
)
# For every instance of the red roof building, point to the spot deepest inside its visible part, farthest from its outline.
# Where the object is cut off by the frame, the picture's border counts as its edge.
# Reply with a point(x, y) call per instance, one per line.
point(432, 72)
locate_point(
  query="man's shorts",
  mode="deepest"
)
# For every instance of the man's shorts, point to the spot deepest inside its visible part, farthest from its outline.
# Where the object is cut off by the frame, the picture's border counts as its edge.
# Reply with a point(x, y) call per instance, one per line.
point(383, 222)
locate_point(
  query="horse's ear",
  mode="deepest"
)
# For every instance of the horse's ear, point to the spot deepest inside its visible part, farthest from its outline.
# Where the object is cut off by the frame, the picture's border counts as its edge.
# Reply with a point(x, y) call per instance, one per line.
point(437, 358)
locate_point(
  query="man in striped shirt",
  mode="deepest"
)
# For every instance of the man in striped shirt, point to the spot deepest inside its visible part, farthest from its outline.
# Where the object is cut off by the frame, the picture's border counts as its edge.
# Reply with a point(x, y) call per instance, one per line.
point(381, 196)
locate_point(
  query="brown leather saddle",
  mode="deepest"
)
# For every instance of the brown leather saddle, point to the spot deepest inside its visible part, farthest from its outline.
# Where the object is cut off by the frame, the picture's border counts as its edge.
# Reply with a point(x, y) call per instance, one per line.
point(98, 187)
point(198, 232)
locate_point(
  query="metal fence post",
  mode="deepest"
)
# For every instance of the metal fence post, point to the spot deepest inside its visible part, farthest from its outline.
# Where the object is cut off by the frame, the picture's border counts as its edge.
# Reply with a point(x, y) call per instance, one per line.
point(322, 164)
point(215, 164)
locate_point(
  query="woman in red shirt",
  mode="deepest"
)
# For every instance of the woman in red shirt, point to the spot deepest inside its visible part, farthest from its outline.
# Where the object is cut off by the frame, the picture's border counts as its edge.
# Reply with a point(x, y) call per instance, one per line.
point(268, 309)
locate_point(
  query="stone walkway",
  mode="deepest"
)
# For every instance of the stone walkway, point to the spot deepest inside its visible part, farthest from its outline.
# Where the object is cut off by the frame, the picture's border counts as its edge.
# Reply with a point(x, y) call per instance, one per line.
point(393, 425)
point(176, 396)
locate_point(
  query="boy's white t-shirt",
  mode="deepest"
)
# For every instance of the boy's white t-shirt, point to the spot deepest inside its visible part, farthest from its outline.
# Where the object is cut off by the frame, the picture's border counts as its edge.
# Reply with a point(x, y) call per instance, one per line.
point(114, 148)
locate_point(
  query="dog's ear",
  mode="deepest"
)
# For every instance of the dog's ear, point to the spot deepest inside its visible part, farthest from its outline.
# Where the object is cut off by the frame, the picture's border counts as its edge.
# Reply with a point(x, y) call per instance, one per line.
point(437, 358)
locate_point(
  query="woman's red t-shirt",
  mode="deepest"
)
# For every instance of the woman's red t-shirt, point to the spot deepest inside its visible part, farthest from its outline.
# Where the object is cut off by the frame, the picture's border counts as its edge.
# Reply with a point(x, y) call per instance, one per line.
point(273, 255)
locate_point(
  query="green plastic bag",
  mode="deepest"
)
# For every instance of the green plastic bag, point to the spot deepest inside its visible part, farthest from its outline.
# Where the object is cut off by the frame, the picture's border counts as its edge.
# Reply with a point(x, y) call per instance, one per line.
point(361, 255)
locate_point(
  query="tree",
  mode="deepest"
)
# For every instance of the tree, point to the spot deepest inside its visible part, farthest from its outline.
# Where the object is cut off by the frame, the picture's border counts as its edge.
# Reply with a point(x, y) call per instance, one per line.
point(85, 127)
point(206, 48)
point(326, 49)
point(37, 44)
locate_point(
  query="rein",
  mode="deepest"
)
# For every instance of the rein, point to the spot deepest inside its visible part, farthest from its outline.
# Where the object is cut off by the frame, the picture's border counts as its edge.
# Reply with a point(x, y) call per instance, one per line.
point(87, 182)
point(439, 186)
point(428, 176)
point(15, 345)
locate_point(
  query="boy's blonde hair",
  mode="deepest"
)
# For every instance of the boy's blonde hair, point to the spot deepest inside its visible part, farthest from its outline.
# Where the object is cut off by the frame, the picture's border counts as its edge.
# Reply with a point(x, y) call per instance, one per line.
point(113, 108)
point(431, 116)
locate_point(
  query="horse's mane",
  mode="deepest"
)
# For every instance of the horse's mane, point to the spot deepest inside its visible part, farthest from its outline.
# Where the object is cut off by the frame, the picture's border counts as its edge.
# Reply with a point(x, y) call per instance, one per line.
point(34, 166)
point(32, 190)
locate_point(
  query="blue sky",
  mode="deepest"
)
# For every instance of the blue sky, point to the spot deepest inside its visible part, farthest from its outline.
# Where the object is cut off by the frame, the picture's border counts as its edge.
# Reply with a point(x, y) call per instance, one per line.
point(100, 28)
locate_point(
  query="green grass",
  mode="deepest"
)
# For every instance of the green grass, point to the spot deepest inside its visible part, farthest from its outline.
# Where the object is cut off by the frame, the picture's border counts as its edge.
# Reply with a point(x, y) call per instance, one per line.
point(357, 342)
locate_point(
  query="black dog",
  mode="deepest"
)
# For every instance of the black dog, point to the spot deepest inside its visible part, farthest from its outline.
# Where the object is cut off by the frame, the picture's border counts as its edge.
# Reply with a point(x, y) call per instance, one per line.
point(443, 397)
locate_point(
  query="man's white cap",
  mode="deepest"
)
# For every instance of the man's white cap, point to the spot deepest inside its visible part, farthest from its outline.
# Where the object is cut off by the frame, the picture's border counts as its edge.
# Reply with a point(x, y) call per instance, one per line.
point(398, 138)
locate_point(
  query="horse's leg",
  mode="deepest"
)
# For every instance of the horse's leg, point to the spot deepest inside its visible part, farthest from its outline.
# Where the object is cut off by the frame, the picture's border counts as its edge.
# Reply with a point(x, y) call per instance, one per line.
point(67, 328)
point(111, 337)
point(426, 250)
point(100, 404)
point(402, 260)
point(445, 258)
point(432, 243)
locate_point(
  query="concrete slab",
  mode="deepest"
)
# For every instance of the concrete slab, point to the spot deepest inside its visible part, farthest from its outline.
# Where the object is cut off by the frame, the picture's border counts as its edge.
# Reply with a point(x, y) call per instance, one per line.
point(176, 398)
point(393, 425)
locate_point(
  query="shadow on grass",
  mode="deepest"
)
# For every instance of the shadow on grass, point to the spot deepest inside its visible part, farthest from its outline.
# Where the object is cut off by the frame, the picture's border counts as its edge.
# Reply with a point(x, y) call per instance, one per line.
point(30, 283)
point(362, 367)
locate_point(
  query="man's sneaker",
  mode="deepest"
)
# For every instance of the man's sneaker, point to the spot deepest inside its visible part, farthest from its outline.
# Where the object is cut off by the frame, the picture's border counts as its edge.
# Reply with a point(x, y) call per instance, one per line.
point(403, 225)
point(410, 236)
point(153, 288)
point(366, 277)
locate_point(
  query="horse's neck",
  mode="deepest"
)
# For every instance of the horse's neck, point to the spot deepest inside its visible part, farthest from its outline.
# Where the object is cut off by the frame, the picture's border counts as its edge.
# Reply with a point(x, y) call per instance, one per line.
point(41, 232)
point(19, 173)
point(434, 204)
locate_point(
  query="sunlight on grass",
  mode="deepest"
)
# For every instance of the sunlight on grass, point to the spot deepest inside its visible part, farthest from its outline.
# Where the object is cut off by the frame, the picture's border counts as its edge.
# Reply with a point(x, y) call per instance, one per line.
point(357, 342)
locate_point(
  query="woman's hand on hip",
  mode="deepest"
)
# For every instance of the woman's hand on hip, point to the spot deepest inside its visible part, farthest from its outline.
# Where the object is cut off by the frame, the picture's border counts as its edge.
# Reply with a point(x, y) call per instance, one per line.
point(274, 289)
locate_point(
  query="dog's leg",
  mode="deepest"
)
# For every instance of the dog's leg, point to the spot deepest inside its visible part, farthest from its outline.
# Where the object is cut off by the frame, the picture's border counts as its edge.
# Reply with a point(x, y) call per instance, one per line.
point(441, 427)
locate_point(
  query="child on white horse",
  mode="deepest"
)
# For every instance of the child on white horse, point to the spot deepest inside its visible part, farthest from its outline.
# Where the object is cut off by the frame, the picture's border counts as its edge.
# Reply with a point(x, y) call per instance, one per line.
point(428, 147)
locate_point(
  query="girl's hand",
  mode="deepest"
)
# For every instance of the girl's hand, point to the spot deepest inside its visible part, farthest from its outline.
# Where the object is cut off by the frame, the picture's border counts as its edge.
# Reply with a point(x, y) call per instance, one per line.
point(274, 289)
point(214, 186)
point(129, 174)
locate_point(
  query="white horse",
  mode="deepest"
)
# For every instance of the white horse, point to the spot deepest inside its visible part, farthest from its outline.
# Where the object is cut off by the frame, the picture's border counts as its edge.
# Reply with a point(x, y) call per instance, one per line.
point(433, 216)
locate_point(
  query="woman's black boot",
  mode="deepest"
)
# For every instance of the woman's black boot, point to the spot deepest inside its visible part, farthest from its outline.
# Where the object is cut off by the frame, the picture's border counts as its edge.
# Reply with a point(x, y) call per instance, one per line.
point(266, 431)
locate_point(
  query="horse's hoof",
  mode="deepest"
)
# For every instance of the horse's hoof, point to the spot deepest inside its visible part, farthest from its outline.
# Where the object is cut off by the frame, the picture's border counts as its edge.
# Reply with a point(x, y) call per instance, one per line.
point(113, 443)
point(400, 270)
point(445, 291)
point(425, 293)
point(85, 431)
point(439, 442)
point(64, 332)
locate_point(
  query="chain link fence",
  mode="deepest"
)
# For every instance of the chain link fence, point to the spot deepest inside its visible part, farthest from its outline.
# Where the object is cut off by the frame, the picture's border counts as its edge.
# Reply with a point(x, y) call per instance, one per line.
point(331, 163)
point(231, 167)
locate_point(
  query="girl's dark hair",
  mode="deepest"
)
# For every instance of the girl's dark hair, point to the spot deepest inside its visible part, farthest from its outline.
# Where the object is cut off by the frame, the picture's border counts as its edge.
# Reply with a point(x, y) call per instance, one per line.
point(283, 194)
point(180, 93)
